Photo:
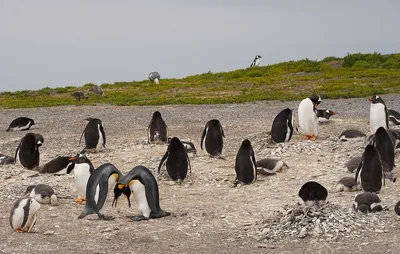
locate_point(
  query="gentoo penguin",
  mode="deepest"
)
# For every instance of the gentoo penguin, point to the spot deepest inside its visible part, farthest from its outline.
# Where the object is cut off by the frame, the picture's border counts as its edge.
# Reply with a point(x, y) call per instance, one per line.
point(308, 121)
point(367, 202)
point(353, 163)
point(42, 193)
point(352, 134)
point(346, 184)
point(23, 214)
point(378, 115)
point(154, 76)
point(145, 189)
point(100, 183)
point(369, 174)
point(397, 208)
point(270, 166)
point(394, 116)
point(21, 124)
point(384, 146)
point(157, 131)
point(282, 126)
point(189, 146)
point(59, 166)
point(5, 159)
point(212, 138)
point(176, 161)
point(324, 115)
point(256, 61)
point(95, 138)
point(393, 134)
point(313, 194)
point(245, 165)
point(83, 168)
point(28, 150)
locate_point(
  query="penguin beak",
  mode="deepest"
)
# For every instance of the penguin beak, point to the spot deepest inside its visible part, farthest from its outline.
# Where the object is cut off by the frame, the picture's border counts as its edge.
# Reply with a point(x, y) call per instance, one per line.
point(72, 159)
point(129, 201)
point(371, 99)
point(114, 203)
point(315, 106)
point(334, 113)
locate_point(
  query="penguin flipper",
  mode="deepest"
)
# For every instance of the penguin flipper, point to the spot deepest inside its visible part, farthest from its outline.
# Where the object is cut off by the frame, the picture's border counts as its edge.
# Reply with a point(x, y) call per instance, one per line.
point(202, 137)
point(222, 131)
point(190, 166)
point(82, 136)
point(103, 191)
point(103, 134)
point(16, 152)
point(162, 161)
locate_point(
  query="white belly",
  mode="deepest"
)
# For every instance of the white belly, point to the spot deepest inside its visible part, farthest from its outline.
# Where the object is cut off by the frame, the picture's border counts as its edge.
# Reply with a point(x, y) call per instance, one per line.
point(100, 145)
point(112, 180)
point(308, 121)
point(377, 117)
point(257, 62)
point(140, 196)
point(22, 127)
point(81, 175)
point(287, 132)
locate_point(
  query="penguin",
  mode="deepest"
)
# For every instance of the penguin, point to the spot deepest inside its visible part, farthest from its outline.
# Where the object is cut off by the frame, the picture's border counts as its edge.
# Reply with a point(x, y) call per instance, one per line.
point(270, 166)
point(352, 134)
point(367, 202)
point(176, 161)
point(154, 76)
point(282, 126)
point(393, 134)
point(397, 208)
point(21, 124)
point(42, 193)
point(394, 116)
point(256, 61)
point(157, 131)
point(83, 168)
point(212, 138)
point(353, 163)
point(245, 165)
point(346, 184)
point(99, 185)
point(28, 150)
point(23, 214)
point(308, 121)
point(313, 194)
point(59, 166)
point(189, 146)
point(369, 174)
point(324, 115)
point(384, 146)
point(124, 190)
point(378, 115)
point(145, 189)
point(5, 159)
point(95, 137)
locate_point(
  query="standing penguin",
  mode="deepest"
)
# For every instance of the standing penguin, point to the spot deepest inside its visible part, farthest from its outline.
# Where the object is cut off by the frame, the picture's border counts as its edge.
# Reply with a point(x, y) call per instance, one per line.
point(282, 127)
point(23, 215)
point(384, 146)
point(28, 150)
point(157, 131)
point(256, 61)
point(176, 160)
point(212, 138)
point(369, 174)
point(145, 189)
point(59, 166)
point(21, 124)
point(42, 193)
point(100, 183)
point(378, 114)
point(83, 168)
point(245, 165)
point(95, 138)
point(307, 117)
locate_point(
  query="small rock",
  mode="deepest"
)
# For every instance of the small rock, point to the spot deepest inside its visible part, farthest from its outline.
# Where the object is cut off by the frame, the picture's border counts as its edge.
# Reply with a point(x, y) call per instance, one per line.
point(105, 230)
point(49, 232)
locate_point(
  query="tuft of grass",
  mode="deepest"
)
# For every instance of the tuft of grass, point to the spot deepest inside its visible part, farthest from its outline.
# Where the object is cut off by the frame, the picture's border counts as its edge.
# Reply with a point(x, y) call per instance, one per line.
point(355, 75)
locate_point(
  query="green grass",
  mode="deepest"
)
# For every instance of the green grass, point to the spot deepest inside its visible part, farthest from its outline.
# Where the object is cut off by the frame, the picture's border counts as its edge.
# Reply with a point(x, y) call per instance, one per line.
point(356, 75)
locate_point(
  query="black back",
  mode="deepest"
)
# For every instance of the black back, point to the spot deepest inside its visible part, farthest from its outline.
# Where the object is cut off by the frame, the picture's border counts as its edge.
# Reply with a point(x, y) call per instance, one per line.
point(20, 122)
point(384, 146)
point(177, 160)
point(157, 129)
point(280, 126)
point(370, 170)
point(212, 137)
point(57, 164)
point(29, 150)
point(352, 133)
point(245, 165)
point(91, 133)
point(313, 191)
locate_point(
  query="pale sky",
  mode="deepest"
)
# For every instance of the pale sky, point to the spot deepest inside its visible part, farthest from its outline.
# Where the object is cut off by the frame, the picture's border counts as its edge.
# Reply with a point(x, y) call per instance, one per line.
point(70, 43)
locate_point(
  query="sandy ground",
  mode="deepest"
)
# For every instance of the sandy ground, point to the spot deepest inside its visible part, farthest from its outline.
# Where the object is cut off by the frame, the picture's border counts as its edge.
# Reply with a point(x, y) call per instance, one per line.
point(208, 215)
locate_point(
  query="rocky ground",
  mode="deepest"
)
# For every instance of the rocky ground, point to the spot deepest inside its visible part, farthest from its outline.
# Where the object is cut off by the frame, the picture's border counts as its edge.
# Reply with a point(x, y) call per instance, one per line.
point(208, 214)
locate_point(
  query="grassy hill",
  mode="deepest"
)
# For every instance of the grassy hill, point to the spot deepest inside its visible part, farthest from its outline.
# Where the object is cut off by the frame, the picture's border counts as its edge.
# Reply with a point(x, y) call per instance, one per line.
point(356, 75)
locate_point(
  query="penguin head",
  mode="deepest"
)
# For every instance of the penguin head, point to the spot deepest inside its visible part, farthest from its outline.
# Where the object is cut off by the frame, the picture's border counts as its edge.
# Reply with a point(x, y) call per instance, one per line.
point(29, 189)
point(315, 99)
point(120, 189)
point(81, 158)
point(375, 99)
point(89, 119)
point(32, 122)
point(175, 144)
point(156, 115)
point(258, 57)
point(38, 140)
point(380, 131)
point(313, 192)
point(246, 143)
point(363, 208)
point(328, 113)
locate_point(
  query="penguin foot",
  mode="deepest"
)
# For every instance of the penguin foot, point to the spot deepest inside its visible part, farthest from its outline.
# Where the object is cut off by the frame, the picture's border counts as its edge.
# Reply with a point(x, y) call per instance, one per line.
point(137, 218)
point(105, 217)
point(313, 137)
point(19, 230)
point(306, 137)
point(80, 200)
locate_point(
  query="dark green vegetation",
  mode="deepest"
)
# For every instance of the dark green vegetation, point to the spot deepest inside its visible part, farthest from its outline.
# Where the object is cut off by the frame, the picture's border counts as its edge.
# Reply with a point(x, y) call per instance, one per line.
point(356, 75)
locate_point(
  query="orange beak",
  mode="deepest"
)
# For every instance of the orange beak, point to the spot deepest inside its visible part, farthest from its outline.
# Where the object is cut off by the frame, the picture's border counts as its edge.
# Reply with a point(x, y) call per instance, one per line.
point(72, 159)
point(371, 99)
point(334, 113)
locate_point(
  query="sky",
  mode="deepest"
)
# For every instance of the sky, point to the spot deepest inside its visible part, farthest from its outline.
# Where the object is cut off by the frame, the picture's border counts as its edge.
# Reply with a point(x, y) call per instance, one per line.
point(71, 43)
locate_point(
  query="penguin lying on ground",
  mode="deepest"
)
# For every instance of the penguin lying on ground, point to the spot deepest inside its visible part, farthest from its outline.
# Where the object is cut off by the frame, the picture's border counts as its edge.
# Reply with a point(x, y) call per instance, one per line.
point(394, 116)
point(5, 159)
point(189, 146)
point(145, 189)
point(313, 194)
point(28, 150)
point(353, 163)
point(367, 202)
point(270, 166)
point(42, 193)
point(212, 138)
point(352, 134)
point(245, 165)
point(324, 115)
point(95, 137)
point(21, 124)
point(346, 184)
point(23, 214)
point(282, 126)
point(59, 166)
point(157, 131)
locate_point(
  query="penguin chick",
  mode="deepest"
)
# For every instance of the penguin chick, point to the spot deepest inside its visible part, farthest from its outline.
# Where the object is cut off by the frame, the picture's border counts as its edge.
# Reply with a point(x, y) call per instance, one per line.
point(367, 202)
point(313, 194)
point(5, 160)
point(42, 193)
point(270, 166)
point(23, 214)
point(352, 134)
point(353, 163)
point(346, 184)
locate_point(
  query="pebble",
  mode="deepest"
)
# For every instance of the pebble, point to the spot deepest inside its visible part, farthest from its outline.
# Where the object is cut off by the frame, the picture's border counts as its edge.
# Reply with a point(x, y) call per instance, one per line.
point(49, 232)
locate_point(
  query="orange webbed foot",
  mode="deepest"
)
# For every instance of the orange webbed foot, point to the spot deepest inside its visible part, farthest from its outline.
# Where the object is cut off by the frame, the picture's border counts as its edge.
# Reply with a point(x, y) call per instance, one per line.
point(80, 200)
point(313, 138)
point(19, 230)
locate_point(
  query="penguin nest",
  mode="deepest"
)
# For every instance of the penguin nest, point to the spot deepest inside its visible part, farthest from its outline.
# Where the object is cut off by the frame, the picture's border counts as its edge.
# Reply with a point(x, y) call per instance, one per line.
point(329, 222)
